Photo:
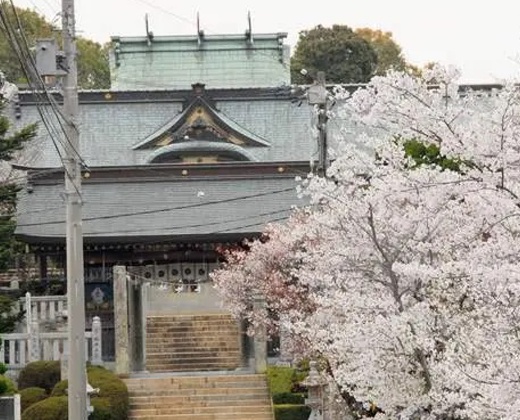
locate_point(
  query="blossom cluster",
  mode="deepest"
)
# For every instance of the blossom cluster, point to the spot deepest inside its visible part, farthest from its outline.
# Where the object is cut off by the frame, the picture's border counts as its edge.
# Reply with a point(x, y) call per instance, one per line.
point(402, 274)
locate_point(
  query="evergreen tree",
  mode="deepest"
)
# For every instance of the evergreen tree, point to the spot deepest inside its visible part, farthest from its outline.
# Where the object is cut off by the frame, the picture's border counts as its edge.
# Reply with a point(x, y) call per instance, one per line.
point(10, 143)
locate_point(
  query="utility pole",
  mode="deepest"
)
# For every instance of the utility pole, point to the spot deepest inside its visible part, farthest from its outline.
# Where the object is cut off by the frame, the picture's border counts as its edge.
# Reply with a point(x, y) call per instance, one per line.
point(77, 390)
point(317, 95)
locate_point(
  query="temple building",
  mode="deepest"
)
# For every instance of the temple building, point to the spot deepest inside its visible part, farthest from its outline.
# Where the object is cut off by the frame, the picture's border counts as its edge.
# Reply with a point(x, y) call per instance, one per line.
point(195, 147)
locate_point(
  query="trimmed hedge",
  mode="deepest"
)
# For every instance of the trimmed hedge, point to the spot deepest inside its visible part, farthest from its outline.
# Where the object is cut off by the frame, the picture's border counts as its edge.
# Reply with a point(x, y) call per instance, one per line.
point(52, 408)
point(102, 409)
point(42, 374)
point(112, 399)
point(30, 396)
point(290, 412)
point(288, 398)
point(280, 379)
point(7, 387)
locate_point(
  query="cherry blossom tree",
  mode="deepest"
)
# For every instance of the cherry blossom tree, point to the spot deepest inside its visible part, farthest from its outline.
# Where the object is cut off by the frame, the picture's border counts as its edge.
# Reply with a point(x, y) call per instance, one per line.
point(403, 273)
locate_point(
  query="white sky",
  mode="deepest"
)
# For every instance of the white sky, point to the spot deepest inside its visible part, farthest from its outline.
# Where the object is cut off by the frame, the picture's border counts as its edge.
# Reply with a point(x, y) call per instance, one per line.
point(481, 38)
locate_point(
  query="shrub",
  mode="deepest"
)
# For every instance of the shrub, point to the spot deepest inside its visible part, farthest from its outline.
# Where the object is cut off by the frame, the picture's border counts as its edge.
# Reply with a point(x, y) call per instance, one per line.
point(280, 378)
point(111, 387)
point(52, 408)
point(42, 374)
point(3, 368)
point(7, 386)
point(102, 409)
point(30, 396)
point(290, 412)
point(112, 391)
point(288, 398)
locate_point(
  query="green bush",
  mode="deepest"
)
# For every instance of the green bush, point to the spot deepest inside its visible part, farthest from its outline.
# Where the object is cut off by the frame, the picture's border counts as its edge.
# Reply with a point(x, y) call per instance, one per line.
point(288, 398)
point(280, 378)
point(102, 409)
point(41, 374)
point(112, 390)
point(7, 386)
point(286, 379)
point(52, 408)
point(30, 396)
point(3, 368)
point(290, 412)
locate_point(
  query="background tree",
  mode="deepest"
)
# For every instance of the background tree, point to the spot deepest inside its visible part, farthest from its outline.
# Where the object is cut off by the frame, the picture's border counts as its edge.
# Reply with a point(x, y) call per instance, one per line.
point(345, 56)
point(93, 67)
point(10, 143)
point(389, 53)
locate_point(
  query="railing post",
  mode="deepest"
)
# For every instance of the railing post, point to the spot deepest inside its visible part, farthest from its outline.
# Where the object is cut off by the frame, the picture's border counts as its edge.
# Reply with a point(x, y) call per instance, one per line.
point(28, 312)
point(34, 342)
point(97, 357)
point(17, 407)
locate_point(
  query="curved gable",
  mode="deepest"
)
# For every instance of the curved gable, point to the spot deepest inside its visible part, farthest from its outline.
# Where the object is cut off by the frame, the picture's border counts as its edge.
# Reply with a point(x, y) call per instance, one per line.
point(201, 121)
point(199, 152)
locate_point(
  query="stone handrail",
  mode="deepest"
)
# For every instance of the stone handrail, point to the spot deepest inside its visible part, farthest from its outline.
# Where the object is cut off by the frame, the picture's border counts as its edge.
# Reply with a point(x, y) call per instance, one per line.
point(43, 308)
point(18, 349)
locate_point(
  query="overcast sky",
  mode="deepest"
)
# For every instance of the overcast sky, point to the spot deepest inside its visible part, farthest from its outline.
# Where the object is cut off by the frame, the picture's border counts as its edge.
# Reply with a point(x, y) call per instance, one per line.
point(481, 38)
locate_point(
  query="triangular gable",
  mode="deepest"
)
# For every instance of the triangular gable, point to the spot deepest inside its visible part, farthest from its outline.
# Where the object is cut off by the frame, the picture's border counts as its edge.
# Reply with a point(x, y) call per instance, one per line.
point(200, 121)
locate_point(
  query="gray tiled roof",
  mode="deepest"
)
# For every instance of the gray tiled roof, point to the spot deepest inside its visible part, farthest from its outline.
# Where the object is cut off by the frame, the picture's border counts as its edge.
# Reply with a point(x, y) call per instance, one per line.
point(110, 130)
point(161, 208)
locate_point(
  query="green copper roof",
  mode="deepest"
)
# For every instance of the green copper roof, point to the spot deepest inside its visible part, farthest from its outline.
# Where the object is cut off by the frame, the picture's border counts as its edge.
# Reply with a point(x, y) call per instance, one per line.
point(219, 61)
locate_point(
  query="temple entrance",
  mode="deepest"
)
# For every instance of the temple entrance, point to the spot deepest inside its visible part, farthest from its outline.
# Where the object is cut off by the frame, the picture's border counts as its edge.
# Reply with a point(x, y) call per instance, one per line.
point(164, 324)
point(180, 288)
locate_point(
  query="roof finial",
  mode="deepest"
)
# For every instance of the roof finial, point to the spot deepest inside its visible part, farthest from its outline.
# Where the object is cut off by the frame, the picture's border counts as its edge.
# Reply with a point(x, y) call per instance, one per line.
point(149, 34)
point(249, 30)
point(200, 32)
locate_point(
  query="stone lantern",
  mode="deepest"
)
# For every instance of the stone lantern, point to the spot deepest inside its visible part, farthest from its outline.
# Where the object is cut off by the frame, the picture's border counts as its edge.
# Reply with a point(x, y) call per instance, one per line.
point(315, 385)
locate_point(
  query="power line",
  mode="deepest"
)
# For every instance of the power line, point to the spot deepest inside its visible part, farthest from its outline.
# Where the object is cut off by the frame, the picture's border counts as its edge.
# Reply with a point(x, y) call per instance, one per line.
point(191, 22)
point(167, 209)
point(28, 67)
point(54, 106)
point(30, 70)
point(198, 225)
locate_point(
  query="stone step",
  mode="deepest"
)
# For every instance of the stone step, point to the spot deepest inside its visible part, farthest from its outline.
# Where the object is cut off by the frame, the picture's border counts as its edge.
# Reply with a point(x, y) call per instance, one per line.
point(194, 348)
point(253, 409)
point(225, 416)
point(184, 346)
point(161, 366)
point(194, 338)
point(202, 363)
point(188, 369)
point(191, 352)
point(215, 397)
point(211, 397)
point(205, 400)
point(189, 317)
point(173, 382)
point(202, 322)
point(201, 325)
point(170, 332)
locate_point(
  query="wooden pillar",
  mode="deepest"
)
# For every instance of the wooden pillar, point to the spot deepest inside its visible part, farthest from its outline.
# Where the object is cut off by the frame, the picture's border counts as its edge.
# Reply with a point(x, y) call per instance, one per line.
point(43, 266)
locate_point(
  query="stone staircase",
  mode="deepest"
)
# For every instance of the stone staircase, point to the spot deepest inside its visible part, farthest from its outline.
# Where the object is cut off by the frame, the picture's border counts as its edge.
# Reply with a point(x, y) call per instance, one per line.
point(184, 343)
point(208, 397)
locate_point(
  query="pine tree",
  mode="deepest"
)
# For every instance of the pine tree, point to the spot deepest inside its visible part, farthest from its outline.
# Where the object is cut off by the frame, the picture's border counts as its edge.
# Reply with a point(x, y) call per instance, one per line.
point(10, 143)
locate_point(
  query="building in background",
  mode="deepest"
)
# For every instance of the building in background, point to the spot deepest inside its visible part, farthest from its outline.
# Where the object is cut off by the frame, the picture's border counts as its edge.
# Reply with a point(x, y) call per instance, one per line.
point(195, 147)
